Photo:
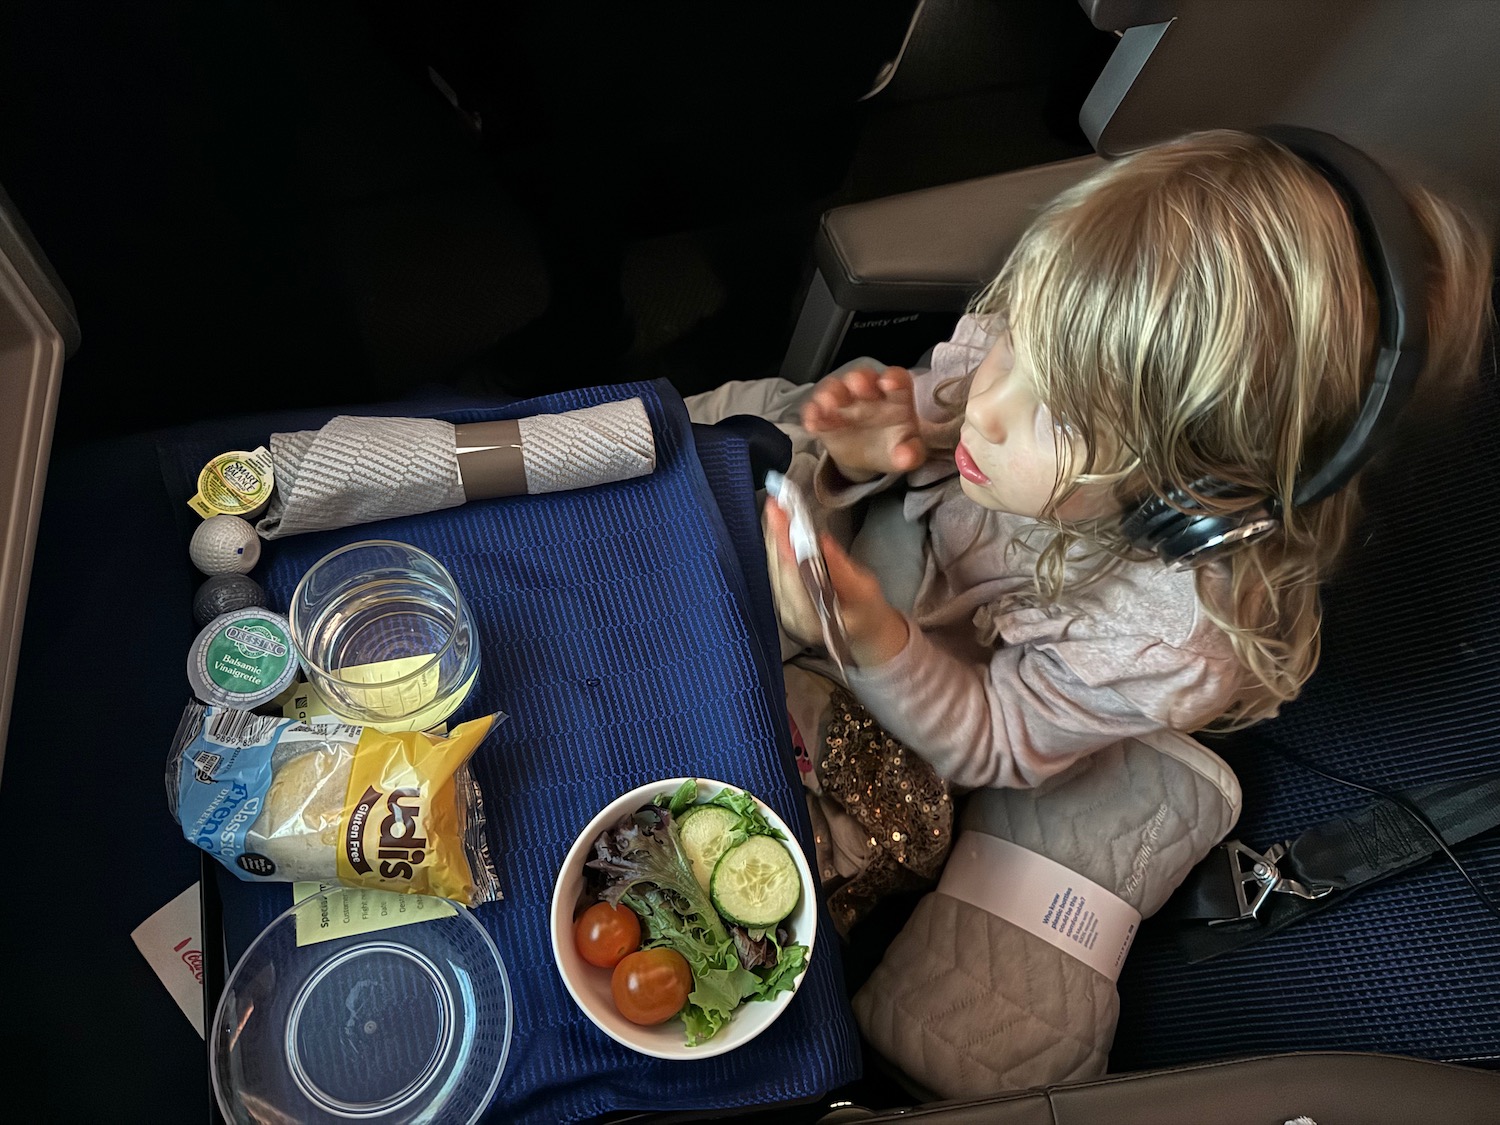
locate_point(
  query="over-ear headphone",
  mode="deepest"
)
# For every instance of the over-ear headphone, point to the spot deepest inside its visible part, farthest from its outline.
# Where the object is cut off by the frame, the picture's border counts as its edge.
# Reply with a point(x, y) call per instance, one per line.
point(1172, 523)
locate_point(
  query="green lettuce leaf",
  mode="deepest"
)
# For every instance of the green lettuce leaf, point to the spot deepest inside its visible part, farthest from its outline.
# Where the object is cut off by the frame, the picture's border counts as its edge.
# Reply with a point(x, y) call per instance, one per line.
point(754, 822)
point(686, 794)
point(782, 976)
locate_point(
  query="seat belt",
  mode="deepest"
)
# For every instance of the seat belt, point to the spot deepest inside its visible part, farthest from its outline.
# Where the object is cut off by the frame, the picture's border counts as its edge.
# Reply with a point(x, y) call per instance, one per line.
point(1237, 896)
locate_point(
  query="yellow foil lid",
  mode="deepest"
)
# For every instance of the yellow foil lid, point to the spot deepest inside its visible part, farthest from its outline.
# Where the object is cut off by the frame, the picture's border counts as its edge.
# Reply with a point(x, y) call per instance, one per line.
point(235, 484)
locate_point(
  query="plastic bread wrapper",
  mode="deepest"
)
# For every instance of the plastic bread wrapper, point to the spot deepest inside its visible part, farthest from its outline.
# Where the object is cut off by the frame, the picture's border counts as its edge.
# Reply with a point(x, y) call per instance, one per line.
point(358, 470)
point(811, 566)
point(278, 800)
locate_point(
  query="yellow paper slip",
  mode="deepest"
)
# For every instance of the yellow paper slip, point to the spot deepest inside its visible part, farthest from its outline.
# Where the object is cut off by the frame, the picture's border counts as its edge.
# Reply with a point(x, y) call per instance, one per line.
point(340, 911)
point(416, 698)
point(413, 693)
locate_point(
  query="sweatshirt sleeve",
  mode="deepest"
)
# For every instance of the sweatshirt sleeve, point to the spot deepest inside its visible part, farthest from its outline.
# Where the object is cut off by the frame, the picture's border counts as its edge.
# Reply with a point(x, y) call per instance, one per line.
point(1028, 714)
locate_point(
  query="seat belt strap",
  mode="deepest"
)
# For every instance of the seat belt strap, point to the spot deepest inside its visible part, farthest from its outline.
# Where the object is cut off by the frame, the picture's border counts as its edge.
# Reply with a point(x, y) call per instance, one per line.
point(1236, 895)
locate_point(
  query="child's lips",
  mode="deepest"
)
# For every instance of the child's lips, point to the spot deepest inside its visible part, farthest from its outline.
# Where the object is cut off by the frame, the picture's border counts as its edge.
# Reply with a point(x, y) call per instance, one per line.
point(966, 466)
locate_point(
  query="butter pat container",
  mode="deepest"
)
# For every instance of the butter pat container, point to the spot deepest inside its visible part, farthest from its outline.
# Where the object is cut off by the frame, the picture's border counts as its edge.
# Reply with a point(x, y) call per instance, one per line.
point(243, 659)
point(237, 483)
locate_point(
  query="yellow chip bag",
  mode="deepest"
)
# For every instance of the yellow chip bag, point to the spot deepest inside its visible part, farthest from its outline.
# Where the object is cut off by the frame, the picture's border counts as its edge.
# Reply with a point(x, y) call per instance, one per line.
point(284, 801)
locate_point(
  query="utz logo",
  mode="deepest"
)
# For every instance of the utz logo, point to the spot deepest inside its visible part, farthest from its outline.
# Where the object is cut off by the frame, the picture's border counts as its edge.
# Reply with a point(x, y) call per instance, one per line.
point(255, 641)
point(401, 847)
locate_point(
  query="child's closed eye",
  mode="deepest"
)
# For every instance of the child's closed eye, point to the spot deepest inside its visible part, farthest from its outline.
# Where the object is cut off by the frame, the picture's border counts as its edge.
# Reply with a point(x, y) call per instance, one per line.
point(1049, 425)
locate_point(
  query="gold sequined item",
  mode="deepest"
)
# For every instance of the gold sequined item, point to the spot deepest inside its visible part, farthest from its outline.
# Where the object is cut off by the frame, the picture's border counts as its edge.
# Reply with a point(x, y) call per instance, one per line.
point(895, 796)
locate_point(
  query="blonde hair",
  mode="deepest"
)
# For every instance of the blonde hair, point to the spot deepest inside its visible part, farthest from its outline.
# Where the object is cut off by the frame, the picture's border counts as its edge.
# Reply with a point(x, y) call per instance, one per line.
point(1201, 309)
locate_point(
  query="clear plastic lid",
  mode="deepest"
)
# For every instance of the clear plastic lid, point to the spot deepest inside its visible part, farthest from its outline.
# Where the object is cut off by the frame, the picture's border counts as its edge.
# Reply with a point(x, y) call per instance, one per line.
point(403, 1025)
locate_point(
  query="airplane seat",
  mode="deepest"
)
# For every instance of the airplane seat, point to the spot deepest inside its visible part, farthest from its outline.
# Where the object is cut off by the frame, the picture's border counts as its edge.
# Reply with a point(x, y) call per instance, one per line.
point(1405, 693)
point(38, 331)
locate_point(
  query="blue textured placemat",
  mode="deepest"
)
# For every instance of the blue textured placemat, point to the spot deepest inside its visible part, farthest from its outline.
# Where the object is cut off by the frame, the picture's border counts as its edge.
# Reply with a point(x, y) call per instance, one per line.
point(1408, 692)
point(627, 631)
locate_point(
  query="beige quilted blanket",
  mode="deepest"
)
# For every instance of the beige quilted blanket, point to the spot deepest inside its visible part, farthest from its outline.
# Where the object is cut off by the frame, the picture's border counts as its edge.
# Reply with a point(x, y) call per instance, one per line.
point(966, 1004)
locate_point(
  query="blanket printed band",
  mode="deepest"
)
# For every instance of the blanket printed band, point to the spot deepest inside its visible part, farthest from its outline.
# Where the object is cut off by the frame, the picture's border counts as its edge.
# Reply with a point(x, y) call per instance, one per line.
point(1043, 897)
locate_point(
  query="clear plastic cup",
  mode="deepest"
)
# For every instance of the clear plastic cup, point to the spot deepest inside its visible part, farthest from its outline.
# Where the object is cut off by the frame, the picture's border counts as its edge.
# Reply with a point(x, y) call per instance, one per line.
point(385, 635)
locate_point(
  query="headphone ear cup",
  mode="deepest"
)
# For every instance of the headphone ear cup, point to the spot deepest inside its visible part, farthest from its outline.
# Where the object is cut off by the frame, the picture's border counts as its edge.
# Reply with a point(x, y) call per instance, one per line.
point(1151, 522)
point(1188, 537)
point(1196, 538)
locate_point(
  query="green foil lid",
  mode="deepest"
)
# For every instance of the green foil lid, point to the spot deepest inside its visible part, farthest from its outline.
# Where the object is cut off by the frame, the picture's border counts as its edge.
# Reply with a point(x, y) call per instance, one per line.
point(243, 659)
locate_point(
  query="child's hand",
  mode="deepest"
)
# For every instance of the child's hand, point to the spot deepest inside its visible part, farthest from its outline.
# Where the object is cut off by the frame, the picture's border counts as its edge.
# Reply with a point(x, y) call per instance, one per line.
point(876, 631)
point(867, 422)
point(794, 607)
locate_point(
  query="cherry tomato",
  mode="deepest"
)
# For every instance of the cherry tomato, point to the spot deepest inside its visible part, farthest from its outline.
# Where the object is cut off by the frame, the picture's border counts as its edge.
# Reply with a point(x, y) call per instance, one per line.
point(651, 985)
point(605, 933)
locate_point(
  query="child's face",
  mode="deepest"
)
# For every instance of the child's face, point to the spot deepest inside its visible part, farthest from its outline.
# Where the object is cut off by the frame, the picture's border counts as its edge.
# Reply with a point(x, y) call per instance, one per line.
point(1008, 453)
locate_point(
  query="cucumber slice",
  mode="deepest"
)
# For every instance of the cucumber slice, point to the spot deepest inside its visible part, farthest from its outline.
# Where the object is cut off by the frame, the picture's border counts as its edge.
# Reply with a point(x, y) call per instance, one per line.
point(756, 883)
point(705, 833)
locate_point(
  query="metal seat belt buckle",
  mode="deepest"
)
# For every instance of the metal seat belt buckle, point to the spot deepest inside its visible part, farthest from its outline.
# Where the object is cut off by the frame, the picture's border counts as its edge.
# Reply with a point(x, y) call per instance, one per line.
point(1256, 877)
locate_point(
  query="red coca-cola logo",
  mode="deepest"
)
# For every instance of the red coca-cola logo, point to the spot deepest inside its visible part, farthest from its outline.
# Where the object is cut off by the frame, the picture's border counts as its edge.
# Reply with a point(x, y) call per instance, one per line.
point(193, 958)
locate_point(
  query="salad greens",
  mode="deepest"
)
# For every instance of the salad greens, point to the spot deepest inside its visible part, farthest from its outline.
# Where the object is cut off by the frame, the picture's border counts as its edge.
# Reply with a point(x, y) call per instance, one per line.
point(645, 869)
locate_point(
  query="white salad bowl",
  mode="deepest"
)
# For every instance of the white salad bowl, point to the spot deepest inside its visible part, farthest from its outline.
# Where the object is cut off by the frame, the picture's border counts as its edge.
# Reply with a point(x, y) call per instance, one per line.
point(590, 985)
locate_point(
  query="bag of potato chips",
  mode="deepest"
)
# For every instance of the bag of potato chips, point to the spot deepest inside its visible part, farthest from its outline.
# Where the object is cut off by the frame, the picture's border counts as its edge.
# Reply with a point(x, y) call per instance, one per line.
point(283, 801)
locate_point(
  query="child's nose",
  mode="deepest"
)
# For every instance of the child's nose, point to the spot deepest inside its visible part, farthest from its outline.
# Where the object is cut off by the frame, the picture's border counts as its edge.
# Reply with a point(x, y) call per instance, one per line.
point(987, 419)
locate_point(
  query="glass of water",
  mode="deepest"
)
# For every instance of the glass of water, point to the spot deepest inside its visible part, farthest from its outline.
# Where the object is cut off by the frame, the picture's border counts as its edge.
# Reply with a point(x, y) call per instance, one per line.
point(385, 635)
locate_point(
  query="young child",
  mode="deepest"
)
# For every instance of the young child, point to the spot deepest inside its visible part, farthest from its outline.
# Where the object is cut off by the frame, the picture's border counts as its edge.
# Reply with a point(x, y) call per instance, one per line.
point(1201, 309)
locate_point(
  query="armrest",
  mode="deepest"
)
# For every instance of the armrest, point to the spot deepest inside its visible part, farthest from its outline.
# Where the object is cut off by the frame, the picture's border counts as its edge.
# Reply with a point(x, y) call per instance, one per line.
point(1323, 1086)
point(1118, 15)
point(931, 250)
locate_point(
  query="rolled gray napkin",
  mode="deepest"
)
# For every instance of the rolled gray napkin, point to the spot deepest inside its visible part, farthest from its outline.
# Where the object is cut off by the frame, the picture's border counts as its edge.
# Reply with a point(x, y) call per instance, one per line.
point(358, 470)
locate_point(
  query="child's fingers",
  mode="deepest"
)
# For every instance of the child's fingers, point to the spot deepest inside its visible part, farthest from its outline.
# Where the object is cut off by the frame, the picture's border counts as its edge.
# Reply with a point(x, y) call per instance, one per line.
point(895, 384)
point(876, 632)
point(855, 398)
point(833, 394)
point(794, 609)
point(821, 413)
point(781, 530)
point(818, 418)
point(862, 384)
point(908, 454)
point(812, 417)
point(854, 584)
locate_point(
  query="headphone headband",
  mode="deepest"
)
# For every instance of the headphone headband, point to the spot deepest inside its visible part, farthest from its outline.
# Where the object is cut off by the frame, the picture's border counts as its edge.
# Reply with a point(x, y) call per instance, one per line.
point(1396, 256)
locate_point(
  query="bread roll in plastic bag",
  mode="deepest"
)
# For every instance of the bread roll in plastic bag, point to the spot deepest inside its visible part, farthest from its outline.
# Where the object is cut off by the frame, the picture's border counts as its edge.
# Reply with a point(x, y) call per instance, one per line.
point(278, 800)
